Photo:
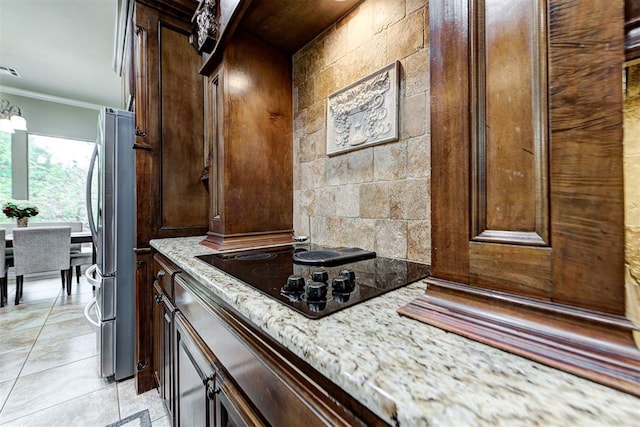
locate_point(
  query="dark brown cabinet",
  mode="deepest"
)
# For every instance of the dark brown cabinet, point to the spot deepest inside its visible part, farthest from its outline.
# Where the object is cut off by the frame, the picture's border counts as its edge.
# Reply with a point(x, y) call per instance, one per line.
point(162, 78)
point(163, 314)
point(196, 386)
point(527, 241)
point(204, 396)
point(163, 311)
point(222, 371)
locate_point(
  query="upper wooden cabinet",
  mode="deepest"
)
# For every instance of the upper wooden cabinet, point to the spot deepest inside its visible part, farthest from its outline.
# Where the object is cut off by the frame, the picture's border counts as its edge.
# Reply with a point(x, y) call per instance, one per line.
point(528, 243)
point(169, 123)
point(249, 134)
point(248, 115)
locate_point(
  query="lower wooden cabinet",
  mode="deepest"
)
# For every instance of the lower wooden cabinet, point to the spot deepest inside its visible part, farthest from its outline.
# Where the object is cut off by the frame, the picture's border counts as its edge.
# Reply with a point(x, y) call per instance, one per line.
point(215, 368)
point(163, 314)
point(205, 396)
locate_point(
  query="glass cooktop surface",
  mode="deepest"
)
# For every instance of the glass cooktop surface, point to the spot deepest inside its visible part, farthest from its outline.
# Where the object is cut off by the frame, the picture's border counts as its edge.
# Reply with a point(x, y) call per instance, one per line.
point(317, 281)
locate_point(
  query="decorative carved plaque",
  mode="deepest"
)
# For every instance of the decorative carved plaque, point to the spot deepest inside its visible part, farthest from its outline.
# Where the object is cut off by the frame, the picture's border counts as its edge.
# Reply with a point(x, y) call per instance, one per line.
point(364, 113)
point(205, 26)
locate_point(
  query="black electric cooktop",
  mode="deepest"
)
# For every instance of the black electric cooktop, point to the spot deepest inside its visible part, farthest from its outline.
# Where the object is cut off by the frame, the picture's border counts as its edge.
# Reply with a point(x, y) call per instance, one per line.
point(317, 281)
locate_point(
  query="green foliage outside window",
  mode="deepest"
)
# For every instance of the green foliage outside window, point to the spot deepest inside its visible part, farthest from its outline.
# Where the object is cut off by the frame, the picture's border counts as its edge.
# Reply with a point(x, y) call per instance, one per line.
point(57, 178)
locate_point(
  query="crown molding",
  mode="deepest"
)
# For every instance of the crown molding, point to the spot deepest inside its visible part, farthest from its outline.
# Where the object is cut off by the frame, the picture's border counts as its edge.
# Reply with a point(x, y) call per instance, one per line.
point(49, 98)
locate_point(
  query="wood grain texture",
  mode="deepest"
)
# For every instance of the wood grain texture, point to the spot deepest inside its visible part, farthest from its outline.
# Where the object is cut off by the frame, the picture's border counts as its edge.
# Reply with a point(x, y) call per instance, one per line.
point(514, 268)
point(184, 198)
point(586, 56)
point(450, 115)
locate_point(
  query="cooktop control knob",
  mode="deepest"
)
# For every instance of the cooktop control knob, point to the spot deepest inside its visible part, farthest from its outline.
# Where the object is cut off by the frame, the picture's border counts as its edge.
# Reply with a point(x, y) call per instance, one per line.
point(341, 298)
point(341, 284)
point(320, 276)
point(317, 291)
point(316, 306)
point(294, 283)
point(349, 274)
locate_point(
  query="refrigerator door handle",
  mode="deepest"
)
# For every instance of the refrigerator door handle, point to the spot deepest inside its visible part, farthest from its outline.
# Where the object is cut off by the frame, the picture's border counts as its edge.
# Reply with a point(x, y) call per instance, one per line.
point(87, 316)
point(90, 273)
point(92, 224)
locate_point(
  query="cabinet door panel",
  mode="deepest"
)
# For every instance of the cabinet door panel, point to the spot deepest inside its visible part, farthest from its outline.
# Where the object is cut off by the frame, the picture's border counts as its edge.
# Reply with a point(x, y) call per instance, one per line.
point(194, 373)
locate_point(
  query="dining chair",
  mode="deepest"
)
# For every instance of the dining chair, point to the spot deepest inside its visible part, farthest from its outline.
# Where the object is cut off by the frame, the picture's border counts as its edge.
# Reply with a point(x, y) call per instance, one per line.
point(41, 249)
point(3, 268)
point(79, 259)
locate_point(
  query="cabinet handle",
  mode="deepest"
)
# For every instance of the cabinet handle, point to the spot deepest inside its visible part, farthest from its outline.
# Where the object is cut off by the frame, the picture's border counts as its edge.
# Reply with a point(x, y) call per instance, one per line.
point(158, 298)
point(212, 386)
point(159, 274)
point(212, 391)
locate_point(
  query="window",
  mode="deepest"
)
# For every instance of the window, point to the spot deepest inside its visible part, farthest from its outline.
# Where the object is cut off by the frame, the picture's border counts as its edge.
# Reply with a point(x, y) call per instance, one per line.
point(5, 166)
point(57, 177)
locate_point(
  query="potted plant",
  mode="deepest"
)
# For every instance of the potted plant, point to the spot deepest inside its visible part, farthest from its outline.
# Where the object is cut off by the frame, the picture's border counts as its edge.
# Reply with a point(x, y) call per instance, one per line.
point(21, 210)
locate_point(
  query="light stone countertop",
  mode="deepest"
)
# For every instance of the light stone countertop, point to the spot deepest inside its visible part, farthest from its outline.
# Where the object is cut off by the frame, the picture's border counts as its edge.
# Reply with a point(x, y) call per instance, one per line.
point(411, 373)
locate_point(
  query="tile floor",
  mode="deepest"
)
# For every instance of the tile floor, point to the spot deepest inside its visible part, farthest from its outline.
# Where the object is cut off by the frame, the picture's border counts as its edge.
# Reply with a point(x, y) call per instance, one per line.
point(48, 364)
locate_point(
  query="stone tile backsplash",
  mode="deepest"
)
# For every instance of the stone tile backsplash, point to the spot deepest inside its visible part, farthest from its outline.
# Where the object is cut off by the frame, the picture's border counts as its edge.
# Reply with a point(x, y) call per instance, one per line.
point(376, 197)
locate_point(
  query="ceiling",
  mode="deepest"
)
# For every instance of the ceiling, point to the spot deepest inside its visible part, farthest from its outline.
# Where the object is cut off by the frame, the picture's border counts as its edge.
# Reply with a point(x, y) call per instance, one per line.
point(63, 50)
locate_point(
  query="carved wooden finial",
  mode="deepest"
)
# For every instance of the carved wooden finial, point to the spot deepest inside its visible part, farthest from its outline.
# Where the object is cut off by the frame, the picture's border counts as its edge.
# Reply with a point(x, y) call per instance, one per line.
point(205, 26)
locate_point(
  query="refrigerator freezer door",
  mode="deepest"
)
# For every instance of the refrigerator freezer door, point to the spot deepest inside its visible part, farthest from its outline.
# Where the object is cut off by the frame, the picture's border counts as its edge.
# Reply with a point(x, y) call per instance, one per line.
point(106, 348)
point(105, 339)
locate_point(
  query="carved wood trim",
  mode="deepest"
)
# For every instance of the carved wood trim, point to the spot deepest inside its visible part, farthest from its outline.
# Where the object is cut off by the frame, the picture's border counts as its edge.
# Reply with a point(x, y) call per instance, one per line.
point(246, 240)
point(141, 84)
point(589, 344)
point(205, 26)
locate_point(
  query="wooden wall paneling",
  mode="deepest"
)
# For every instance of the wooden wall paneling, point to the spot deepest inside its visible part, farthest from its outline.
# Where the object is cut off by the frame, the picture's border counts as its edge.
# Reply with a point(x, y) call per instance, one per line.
point(586, 55)
point(184, 198)
point(449, 35)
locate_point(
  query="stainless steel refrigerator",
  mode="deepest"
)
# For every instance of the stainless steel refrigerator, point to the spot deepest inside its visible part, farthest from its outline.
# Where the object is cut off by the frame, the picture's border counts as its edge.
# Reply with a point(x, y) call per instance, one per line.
point(111, 211)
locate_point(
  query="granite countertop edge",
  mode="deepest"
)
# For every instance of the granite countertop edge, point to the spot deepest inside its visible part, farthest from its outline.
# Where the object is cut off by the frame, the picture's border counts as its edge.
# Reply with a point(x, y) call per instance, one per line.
point(410, 373)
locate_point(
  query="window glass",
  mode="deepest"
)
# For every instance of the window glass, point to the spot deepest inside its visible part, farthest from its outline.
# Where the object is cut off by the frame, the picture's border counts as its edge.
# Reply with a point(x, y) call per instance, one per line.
point(57, 178)
point(5, 168)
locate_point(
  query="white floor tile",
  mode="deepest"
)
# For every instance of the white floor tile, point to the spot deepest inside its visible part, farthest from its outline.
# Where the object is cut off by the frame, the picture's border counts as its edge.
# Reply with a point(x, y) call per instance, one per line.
point(99, 408)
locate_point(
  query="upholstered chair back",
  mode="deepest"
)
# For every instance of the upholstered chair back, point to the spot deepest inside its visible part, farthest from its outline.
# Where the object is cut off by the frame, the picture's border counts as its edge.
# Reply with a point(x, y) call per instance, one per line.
point(40, 249)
